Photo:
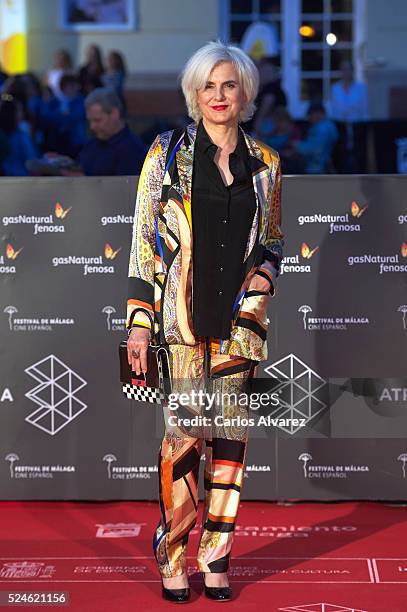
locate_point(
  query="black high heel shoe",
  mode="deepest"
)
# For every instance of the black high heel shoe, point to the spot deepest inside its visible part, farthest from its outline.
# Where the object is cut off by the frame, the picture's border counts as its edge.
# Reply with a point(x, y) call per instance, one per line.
point(177, 595)
point(217, 593)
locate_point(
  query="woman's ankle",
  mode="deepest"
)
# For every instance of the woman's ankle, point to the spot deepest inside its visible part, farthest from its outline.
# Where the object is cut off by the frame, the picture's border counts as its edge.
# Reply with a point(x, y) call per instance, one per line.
point(219, 579)
point(179, 581)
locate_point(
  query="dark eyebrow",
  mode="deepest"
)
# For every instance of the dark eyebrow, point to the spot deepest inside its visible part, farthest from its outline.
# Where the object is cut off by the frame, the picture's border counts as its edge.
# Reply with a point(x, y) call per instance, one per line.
point(224, 83)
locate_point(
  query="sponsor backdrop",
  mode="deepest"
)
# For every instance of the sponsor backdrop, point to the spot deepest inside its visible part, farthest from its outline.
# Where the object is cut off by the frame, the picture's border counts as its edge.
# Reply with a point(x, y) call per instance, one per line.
point(337, 346)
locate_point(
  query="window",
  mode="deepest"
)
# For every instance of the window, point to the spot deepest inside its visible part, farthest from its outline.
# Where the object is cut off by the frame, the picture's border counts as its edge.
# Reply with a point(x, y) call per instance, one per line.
point(241, 13)
point(326, 39)
point(314, 36)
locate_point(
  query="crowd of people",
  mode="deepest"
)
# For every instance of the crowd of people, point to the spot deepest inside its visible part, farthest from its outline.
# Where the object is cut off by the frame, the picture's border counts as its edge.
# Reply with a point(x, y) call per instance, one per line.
point(74, 121)
point(332, 139)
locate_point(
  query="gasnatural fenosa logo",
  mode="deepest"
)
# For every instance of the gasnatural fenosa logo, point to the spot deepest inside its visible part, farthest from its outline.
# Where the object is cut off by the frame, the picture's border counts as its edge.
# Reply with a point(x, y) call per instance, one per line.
point(6, 260)
point(41, 224)
point(293, 263)
point(337, 223)
point(384, 263)
point(91, 265)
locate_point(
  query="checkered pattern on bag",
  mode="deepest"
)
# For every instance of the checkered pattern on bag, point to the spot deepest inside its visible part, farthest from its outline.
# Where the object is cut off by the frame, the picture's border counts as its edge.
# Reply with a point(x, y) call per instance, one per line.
point(143, 394)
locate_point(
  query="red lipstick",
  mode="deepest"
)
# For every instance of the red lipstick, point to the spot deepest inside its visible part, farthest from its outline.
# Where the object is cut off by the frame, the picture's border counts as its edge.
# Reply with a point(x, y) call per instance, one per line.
point(220, 107)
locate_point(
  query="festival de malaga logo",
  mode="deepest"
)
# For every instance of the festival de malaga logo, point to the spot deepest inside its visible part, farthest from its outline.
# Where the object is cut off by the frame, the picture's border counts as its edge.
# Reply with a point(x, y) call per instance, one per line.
point(34, 323)
point(113, 323)
point(338, 470)
point(127, 472)
point(329, 322)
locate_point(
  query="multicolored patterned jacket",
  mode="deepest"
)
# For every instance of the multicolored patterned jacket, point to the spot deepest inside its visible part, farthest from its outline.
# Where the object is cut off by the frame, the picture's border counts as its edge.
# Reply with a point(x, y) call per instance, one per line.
point(160, 266)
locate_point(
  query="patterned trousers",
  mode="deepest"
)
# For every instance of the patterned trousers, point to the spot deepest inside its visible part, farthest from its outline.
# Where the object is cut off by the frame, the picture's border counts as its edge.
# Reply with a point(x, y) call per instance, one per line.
point(222, 423)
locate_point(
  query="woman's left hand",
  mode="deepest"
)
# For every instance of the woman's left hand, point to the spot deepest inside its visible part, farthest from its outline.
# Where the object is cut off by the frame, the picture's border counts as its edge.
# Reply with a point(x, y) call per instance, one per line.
point(259, 283)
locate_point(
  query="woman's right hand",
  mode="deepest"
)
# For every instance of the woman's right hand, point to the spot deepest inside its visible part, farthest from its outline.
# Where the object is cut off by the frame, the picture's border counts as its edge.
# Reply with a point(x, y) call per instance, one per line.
point(138, 341)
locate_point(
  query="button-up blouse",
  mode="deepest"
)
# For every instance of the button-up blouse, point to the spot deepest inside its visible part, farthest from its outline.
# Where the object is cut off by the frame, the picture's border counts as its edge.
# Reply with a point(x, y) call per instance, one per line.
point(221, 220)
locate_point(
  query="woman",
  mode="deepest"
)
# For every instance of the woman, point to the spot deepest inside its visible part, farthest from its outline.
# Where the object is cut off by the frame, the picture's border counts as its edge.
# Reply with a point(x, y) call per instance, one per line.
point(283, 137)
point(115, 74)
point(271, 96)
point(349, 108)
point(91, 73)
point(62, 65)
point(19, 145)
point(206, 250)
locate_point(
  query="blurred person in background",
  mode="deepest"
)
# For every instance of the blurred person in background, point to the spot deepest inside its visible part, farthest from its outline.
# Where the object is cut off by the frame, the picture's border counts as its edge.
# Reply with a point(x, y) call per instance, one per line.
point(318, 145)
point(115, 149)
point(270, 97)
point(33, 93)
point(4, 150)
point(34, 96)
point(62, 65)
point(91, 73)
point(19, 145)
point(64, 119)
point(16, 87)
point(3, 78)
point(348, 107)
point(115, 74)
point(26, 88)
point(283, 138)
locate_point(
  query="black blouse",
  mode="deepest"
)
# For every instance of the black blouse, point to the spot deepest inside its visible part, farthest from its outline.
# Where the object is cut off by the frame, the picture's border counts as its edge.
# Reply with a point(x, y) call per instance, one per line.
point(221, 220)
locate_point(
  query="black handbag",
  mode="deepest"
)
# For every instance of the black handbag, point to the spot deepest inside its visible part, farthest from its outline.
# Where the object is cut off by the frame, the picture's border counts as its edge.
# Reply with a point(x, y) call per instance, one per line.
point(154, 386)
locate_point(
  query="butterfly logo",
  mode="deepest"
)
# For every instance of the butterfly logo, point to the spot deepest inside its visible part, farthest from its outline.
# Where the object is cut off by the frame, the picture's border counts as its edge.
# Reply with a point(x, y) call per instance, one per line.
point(109, 252)
point(404, 249)
point(60, 213)
point(11, 253)
point(306, 252)
point(356, 210)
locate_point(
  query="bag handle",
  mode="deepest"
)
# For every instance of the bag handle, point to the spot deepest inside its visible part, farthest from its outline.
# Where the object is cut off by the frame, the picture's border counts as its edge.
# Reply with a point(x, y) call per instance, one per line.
point(152, 339)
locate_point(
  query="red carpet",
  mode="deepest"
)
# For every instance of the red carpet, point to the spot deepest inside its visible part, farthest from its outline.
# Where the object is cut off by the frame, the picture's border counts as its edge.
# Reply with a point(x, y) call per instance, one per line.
point(301, 557)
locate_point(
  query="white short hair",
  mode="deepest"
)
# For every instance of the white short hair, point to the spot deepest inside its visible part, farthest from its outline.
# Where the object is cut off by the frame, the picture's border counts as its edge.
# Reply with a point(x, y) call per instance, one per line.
point(199, 66)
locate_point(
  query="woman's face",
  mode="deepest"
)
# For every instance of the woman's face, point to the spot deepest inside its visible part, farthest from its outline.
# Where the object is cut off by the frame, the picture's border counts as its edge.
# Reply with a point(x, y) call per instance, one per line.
point(221, 99)
point(60, 59)
point(91, 53)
